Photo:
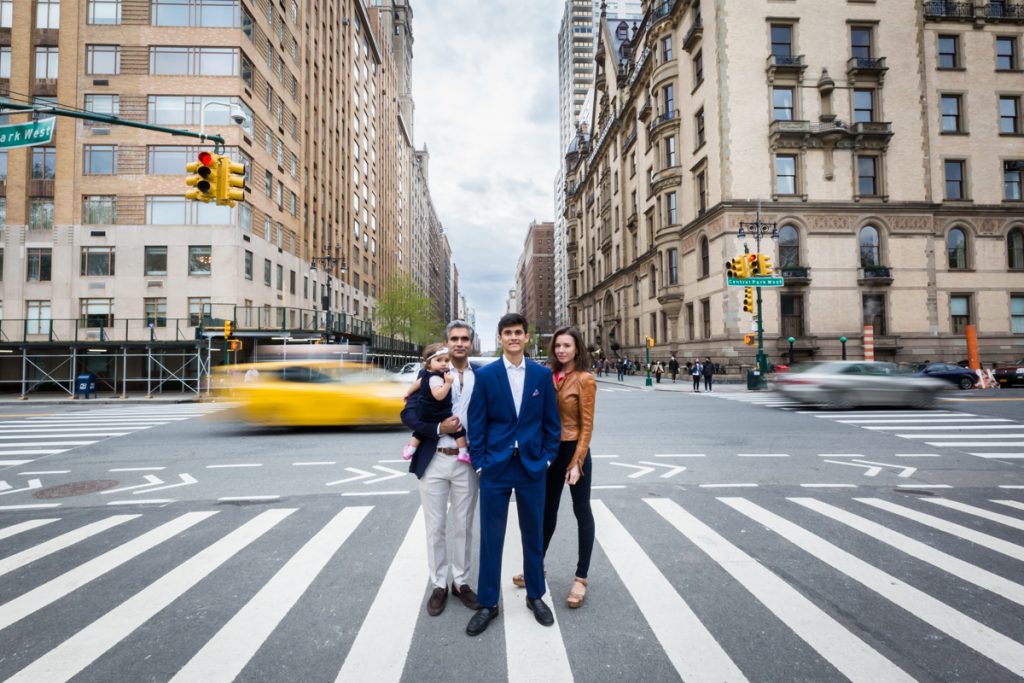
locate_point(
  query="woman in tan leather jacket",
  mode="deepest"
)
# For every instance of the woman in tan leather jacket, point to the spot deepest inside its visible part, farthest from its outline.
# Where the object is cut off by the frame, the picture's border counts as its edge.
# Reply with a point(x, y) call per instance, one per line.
point(576, 389)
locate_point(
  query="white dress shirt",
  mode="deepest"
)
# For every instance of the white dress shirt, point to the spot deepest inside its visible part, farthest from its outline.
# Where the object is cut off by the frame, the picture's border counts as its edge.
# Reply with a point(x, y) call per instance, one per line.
point(461, 393)
point(516, 380)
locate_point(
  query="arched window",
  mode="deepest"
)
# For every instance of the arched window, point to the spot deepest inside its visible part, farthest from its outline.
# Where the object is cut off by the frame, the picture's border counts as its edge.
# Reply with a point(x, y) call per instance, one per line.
point(789, 247)
point(956, 247)
point(705, 257)
point(636, 289)
point(1015, 249)
point(869, 247)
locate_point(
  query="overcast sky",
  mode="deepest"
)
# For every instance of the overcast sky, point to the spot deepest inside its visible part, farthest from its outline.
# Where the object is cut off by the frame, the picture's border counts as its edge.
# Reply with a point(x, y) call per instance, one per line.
point(485, 82)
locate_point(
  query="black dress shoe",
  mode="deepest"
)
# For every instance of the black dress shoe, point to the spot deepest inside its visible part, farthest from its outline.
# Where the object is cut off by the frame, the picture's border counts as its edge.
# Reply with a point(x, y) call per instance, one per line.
point(483, 617)
point(437, 601)
point(541, 612)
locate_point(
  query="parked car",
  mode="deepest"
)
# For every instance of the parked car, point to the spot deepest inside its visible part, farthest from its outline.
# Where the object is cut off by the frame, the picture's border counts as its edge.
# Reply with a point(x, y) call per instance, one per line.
point(409, 372)
point(1010, 375)
point(965, 378)
point(842, 385)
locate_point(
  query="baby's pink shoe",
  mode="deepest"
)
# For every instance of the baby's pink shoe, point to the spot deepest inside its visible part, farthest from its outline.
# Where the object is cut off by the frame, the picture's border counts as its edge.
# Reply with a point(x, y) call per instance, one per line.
point(408, 451)
point(464, 457)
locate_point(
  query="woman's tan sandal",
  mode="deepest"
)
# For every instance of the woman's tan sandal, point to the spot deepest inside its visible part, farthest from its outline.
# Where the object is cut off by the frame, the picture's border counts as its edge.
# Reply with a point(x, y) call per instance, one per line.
point(519, 580)
point(576, 597)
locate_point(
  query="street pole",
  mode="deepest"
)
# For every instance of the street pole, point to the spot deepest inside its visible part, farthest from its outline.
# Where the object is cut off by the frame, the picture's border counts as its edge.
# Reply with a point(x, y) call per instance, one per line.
point(647, 348)
point(759, 229)
point(842, 340)
point(791, 340)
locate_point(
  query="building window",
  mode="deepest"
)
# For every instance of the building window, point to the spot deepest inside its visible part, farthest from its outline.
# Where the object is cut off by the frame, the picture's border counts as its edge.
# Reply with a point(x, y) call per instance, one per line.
point(952, 119)
point(200, 260)
point(47, 13)
point(782, 104)
point(101, 60)
point(37, 264)
point(38, 314)
point(99, 209)
point(949, 52)
point(699, 127)
point(782, 41)
point(267, 271)
point(873, 312)
point(103, 104)
point(1013, 175)
point(705, 318)
point(180, 211)
point(791, 307)
point(155, 261)
point(193, 61)
point(670, 152)
point(97, 261)
point(44, 163)
point(673, 267)
point(40, 214)
point(6, 13)
point(99, 159)
point(870, 247)
point(698, 68)
point(245, 217)
point(785, 174)
point(960, 312)
point(46, 63)
point(1017, 314)
point(860, 43)
point(668, 98)
point(672, 213)
point(1006, 53)
point(867, 176)
point(636, 290)
point(291, 282)
point(1015, 249)
point(187, 109)
point(705, 257)
point(689, 322)
point(955, 187)
point(1009, 114)
point(652, 281)
point(702, 192)
point(104, 12)
point(280, 278)
point(956, 247)
point(96, 312)
point(666, 49)
point(248, 265)
point(199, 309)
point(789, 247)
point(5, 61)
point(156, 311)
point(863, 106)
point(196, 13)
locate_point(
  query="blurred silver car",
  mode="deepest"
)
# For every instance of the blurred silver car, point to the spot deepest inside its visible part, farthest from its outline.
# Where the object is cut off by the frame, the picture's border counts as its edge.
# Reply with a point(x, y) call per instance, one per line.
point(409, 372)
point(842, 385)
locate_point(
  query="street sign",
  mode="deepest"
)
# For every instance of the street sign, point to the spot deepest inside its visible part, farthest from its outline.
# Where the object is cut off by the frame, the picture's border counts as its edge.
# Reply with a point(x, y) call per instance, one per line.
point(757, 282)
point(27, 134)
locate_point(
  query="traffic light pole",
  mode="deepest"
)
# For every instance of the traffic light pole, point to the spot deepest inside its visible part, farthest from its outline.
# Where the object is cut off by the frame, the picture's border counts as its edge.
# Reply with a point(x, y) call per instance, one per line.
point(647, 348)
point(762, 359)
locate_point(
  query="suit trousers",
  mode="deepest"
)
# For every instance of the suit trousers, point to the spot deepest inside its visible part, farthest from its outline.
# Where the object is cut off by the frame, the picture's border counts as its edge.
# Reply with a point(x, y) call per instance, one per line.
point(447, 479)
point(495, 492)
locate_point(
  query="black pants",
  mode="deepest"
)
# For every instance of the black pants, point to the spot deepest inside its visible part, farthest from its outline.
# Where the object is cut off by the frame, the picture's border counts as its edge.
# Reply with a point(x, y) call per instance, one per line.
point(707, 382)
point(580, 492)
point(696, 382)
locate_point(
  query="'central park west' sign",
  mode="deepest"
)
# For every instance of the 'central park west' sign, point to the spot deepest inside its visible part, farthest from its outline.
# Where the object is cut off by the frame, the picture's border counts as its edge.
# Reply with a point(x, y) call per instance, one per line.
point(27, 134)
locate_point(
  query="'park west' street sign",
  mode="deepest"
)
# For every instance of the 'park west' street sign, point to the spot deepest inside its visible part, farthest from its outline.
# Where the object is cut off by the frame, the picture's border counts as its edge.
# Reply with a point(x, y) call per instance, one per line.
point(757, 282)
point(27, 134)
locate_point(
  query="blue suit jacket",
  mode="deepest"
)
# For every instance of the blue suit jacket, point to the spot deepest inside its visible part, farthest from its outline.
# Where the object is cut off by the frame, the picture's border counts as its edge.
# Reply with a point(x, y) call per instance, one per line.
point(495, 429)
point(425, 453)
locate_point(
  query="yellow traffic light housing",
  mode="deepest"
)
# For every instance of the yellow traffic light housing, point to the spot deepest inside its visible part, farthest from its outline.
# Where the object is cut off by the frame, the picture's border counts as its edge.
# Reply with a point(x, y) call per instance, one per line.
point(650, 342)
point(748, 299)
point(228, 328)
point(234, 345)
point(203, 178)
point(230, 187)
point(764, 264)
point(738, 268)
point(748, 339)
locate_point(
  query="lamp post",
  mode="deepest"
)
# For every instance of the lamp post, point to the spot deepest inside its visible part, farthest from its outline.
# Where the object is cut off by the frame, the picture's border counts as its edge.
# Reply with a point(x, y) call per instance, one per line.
point(758, 229)
point(328, 262)
point(237, 113)
point(791, 340)
point(647, 348)
point(842, 340)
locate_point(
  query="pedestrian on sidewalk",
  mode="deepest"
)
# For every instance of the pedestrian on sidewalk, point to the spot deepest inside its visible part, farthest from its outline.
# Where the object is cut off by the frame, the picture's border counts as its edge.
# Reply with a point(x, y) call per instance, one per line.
point(708, 369)
point(673, 368)
point(620, 368)
point(576, 392)
point(659, 369)
point(448, 488)
point(695, 373)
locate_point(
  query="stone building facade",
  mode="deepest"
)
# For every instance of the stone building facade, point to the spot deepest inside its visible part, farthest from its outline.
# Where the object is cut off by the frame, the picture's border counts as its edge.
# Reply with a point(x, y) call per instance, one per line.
point(881, 140)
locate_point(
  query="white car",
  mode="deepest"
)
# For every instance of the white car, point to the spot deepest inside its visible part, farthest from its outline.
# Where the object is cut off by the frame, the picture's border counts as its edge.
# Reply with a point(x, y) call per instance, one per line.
point(842, 385)
point(409, 372)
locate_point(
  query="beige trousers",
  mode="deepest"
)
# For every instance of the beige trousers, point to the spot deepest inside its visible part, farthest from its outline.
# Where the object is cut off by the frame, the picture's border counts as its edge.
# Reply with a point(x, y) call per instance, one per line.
point(449, 489)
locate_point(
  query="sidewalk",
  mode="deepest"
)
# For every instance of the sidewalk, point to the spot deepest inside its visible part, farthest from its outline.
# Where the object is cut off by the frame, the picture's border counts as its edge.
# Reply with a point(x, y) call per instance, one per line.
point(729, 385)
point(105, 398)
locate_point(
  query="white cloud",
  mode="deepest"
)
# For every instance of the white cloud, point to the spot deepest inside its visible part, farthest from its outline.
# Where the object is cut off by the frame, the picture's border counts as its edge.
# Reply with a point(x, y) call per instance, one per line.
point(485, 82)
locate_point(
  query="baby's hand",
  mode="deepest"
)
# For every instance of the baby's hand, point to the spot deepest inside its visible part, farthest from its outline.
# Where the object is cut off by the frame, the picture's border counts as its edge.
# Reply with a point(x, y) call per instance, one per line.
point(448, 378)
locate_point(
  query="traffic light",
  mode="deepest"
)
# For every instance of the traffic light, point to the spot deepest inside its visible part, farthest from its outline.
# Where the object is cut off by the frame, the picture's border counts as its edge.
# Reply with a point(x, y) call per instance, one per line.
point(203, 177)
point(234, 345)
point(228, 326)
point(738, 268)
point(230, 188)
point(748, 299)
point(650, 342)
point(748, 339)
point(762, 265)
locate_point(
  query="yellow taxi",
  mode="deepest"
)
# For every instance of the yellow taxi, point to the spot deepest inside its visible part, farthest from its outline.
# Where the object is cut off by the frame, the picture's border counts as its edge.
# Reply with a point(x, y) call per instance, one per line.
point(308, 393)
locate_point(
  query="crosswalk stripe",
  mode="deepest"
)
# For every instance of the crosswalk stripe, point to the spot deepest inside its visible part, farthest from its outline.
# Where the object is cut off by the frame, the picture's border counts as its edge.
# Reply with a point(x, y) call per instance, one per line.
point(921, 551)
point(33, 451)
point(382, 643)
point(975, 444)
point(533, 652)
point(83, 648)
point(935, 428)
point(985, 540)
point(51, 591)
point(85, 431)
point(20, 527)
point(13, 463)
point(979, 512)
point(29, 555)
point(846, 652)
point(691, 648)
point(961, 436)
point(999, 648)
point(920, 420)
point(998, 456)
point(43, 443)
point(47, 434)
point(1016, 504)
point(226, 654)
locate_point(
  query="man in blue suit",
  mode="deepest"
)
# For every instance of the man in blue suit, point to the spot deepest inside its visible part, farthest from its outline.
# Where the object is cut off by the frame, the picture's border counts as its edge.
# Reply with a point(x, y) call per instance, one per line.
point(513, 420)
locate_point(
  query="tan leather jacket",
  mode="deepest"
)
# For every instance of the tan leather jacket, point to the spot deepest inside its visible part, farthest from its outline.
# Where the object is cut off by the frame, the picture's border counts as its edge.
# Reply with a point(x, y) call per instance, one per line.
point(576, 394)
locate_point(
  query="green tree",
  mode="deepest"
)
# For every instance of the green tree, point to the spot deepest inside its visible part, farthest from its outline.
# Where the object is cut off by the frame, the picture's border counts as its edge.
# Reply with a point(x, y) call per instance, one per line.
point(405, 312)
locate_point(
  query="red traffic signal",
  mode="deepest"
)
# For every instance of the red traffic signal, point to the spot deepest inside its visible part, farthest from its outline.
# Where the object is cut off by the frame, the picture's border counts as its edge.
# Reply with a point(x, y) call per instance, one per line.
point(203, 179)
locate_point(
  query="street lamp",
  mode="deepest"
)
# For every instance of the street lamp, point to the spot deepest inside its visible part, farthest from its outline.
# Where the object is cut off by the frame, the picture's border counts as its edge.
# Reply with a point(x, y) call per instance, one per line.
point(842, 340)
point(329, 263)
point(759, 229)
point(791, 340)
point(236, 112)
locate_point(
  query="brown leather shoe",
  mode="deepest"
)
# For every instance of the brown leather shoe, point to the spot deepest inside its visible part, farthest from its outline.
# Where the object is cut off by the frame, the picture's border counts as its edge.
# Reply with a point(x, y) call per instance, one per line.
point(466, 595)
point(437, 601)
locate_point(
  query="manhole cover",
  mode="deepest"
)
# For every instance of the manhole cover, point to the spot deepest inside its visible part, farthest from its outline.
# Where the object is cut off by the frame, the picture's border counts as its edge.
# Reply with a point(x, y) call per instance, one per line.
point(78, 488)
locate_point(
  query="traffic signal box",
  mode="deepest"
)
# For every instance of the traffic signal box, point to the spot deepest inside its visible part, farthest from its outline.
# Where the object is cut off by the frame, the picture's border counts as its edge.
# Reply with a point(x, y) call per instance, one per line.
point(230, 188)
point(650, 342)
point(748, 299)
point(738, 268)
point(762, 265)
point(201, 178)
point(228, 328)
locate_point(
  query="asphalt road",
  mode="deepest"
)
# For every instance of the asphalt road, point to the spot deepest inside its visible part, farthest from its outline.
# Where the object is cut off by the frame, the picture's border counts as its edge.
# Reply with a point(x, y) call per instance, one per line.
point(739, 536)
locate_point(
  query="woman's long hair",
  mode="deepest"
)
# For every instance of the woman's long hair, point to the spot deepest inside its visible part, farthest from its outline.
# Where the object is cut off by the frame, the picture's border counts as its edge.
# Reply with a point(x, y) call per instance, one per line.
point(582, 359)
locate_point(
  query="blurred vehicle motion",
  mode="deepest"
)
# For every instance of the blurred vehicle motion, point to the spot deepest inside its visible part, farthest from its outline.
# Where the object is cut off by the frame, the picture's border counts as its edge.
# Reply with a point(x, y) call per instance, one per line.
point(1010, 375)
point(409, 372)
point(307, 393)
point(842, 385)
point(965, 378)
